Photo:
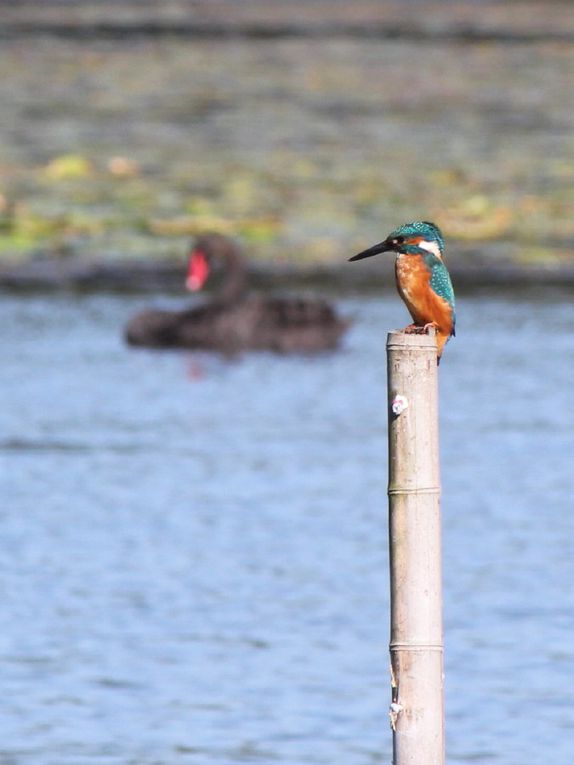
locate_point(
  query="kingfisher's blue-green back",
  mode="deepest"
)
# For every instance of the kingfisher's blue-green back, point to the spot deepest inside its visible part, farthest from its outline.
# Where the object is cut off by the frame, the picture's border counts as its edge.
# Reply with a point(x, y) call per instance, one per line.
point(441, 283)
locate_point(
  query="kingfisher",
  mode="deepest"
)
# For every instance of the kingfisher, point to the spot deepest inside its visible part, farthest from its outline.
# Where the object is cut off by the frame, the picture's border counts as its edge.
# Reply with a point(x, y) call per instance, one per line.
point(422, 278)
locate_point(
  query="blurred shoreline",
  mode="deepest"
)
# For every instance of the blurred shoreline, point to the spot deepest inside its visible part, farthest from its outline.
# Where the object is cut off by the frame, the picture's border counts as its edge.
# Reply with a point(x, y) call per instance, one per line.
point(469, 274)
point(518, 20)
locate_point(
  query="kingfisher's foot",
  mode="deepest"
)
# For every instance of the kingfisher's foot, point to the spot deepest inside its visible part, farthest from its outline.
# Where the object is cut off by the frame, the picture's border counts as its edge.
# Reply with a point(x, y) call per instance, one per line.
point(416, 329)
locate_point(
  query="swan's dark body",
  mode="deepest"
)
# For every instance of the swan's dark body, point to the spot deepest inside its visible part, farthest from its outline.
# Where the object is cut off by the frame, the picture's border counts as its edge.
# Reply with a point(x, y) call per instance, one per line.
point(235, 321)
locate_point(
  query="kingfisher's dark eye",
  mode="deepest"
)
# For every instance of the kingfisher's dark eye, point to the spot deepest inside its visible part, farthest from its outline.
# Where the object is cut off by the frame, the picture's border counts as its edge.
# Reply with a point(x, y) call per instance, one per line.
point(399, 239)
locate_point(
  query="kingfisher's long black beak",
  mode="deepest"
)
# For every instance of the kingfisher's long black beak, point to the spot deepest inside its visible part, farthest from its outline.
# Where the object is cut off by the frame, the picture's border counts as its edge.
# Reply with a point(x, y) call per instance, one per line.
point(374, 250)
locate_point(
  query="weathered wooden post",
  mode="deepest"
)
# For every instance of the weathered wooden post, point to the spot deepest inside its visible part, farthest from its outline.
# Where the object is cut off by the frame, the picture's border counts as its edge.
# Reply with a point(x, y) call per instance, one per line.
point(416, 646)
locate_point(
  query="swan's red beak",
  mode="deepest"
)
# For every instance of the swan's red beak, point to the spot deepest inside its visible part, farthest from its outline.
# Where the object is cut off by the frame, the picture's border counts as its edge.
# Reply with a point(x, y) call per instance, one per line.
point(197, 271)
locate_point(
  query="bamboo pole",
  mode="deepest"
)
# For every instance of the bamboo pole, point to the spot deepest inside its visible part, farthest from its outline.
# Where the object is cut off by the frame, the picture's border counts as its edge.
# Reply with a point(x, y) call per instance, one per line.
point(416, 646)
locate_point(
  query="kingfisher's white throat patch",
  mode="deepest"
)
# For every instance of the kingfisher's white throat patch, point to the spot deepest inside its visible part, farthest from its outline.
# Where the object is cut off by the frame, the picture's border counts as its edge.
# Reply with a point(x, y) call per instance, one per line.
point(430, 247)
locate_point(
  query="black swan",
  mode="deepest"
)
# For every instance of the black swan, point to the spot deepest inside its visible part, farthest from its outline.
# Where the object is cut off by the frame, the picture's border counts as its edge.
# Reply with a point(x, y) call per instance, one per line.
point(235, 320)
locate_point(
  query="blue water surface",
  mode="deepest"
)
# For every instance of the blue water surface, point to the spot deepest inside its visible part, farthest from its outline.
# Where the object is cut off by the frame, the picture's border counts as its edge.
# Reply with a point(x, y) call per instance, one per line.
point(193, 549)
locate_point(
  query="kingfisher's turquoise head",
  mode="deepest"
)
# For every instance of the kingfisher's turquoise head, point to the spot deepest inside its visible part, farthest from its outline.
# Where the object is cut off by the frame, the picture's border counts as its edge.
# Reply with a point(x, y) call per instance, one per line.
point(417, 238)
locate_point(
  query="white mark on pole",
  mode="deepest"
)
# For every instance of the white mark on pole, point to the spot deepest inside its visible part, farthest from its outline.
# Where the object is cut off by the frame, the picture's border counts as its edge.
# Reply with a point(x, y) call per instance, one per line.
point(394, 711)
point(399, 404)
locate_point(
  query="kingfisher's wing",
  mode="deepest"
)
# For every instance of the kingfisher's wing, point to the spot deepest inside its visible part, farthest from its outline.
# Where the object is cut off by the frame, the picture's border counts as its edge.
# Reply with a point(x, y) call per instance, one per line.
point(441, 284)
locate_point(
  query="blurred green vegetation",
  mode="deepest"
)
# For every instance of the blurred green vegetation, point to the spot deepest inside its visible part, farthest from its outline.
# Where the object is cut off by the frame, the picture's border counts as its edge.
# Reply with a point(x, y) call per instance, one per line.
point(303, 149)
